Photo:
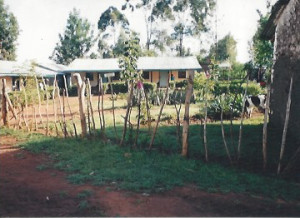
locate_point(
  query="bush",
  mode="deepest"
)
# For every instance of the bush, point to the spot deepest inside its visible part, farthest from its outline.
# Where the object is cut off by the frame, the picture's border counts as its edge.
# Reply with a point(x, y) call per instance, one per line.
point(72, 91)
point(148, 86)
point(118, 87)
point(234, 87)
point(181, 84)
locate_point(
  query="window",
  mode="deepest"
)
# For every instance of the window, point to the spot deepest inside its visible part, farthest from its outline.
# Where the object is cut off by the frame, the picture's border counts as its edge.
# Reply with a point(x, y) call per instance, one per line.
point(90, 76)
point(146, 74)
point(182, 74)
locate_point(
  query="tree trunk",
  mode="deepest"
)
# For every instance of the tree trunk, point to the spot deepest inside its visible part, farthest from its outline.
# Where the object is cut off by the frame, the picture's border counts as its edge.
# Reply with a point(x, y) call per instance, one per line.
point(178, 109)
point(186, 118)
point(138, 121)
point(99, 94)
point(264, 141)
point(242, 119)
point(47, 107)
point(205, 128)
point(54, 106)
point(113, 107)
point(286, 123)
point(129, 100)
point(148, 111)
point(223, 136)
point(64, 126)
point(39, 98)
point(91, 105)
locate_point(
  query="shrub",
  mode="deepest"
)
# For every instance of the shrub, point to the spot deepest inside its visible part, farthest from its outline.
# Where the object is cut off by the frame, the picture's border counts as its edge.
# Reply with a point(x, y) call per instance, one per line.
point(181, 84)
point(118, 87)
point(148, 86)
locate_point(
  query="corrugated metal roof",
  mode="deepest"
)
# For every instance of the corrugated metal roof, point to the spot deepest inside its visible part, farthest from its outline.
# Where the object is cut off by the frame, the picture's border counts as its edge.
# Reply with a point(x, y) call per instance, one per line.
point(92, 65)
point(13, 68)
point(143, 63)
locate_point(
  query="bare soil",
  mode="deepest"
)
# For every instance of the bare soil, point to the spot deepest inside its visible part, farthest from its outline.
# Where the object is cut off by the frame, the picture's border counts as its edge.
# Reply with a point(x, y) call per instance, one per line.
point(29, 188)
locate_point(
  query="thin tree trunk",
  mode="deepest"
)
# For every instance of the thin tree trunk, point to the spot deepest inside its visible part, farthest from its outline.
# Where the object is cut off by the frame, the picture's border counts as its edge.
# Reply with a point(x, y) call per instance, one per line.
point(129, 100)
point(186, 118)
point(99, 94)
point(47, 107)
point(88, 108)
point(72, 117)
point(286, 123)
point(113, 107)
point(223, 136)
point(242, 119)
point(91, 105)
point(102, 105)
point(205, 128)
point(39, 98)
point(159, 115)
point(64, 126)
point(25, 117)
point(35, 119)
point(178, 109)
point(54, 106)
point(148, 111)
point(138, 121)
point(291, 161)
point(264, 141)
point(4, 104)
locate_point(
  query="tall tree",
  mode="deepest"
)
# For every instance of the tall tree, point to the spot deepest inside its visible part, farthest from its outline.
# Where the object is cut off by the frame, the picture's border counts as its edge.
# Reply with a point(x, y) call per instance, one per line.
point(225, 49)
point(76, 41)
point(190, 17)
point(111, 25)
point(9, 31)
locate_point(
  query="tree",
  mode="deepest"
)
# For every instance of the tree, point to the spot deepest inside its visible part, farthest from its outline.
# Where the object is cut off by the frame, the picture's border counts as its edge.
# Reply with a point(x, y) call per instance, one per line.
point(262, 50)
point(109, 22)
point(129, 73)
point(76, 41)
point(225, 49)
point(190, 16)
point(9, 31)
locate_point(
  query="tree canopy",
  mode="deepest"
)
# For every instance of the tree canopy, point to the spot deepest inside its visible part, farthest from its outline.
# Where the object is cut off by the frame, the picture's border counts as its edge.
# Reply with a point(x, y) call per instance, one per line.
point(225, 49)
point(9, 31)
point(76, 41)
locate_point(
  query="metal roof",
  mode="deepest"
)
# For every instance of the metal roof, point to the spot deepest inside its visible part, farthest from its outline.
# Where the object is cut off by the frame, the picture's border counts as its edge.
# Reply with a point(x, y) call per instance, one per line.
point(13, 68)
point(143, 63)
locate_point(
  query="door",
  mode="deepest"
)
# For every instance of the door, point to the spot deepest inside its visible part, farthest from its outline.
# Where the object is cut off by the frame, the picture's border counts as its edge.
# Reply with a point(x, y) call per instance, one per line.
point(163, 78)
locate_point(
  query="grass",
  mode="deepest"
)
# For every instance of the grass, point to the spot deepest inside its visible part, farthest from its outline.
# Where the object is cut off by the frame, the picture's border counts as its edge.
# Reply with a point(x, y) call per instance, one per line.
point(163, 168)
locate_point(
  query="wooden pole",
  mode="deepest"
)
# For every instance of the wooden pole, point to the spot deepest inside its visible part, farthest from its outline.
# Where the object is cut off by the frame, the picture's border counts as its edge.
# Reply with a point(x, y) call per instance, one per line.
point(178, 109)
point(91, 105)
point(39, 99)
point(223, 136)
point(159, 115)
point(25, 117)
point(102, 105)
point(286, 124)
point(129, 100)
point(148, 111)
point(265, 127)
point(4, 104)
point(64, 126)
point(54, 106)
point(242, 119)
point(113, 107)
point(81, 91)
point(205, 125)
point(72, 117)
point(47, 107)
point(138, 121)
point(99, 94)
point(186, 118)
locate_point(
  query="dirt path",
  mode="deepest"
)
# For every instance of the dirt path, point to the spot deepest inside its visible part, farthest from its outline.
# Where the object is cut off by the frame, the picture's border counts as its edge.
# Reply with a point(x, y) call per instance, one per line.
point(28, 188)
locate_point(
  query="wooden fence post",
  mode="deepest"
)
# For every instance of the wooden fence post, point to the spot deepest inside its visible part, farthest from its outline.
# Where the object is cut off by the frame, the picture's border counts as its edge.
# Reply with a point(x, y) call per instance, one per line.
point(4, 104)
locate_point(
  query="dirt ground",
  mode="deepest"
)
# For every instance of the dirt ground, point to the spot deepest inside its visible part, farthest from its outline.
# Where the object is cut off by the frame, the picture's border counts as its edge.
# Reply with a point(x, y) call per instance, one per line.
point(27, 190)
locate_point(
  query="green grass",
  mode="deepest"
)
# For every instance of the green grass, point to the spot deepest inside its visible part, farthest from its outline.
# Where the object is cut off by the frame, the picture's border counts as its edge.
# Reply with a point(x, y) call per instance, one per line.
point(161, 169)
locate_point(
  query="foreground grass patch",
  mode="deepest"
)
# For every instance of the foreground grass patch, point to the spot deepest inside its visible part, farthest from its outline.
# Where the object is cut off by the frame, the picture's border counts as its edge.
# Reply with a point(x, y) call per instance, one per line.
point(101, 164)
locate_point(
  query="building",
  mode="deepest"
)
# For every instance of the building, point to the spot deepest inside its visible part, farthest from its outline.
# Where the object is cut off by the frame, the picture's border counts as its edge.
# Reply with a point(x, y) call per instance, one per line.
point(154, 69)
point(283, 28)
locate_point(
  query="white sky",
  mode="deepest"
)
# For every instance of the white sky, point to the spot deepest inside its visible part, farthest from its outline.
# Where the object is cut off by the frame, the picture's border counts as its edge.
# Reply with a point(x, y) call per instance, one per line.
point(41, 21)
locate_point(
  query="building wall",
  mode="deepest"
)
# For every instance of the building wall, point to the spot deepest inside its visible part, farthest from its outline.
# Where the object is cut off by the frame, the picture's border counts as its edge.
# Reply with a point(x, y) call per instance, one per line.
point(286, 63)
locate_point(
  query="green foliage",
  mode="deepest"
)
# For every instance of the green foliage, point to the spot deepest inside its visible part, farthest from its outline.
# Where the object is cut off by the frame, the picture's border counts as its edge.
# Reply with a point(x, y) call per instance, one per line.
point(181, 84)
point(148, 86)
point(112, 17)
point(128, 61)
point(225, 50)
point(118, 87)
point(9, 31)
point(76, 41)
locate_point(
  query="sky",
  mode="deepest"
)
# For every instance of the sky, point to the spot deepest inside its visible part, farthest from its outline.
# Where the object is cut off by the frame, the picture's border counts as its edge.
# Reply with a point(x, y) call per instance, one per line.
point(40, 22)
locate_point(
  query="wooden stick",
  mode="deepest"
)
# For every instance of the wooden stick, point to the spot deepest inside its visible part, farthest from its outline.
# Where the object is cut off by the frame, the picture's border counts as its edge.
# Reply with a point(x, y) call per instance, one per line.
point(64, 126)
point(99, 94)
point(25, 117)
point(91, 105)
point(286, 124)
point(148, 111)
point(138, 121)
point(39, 98)
point(205, 125)
point(242, 119)
point(88, 107)
point(4, 104)
point(265, 127)
point(102, 105)
point(35, 119)
point(72, 117)
point(113, 107)
point(178, 109)
point(159, 115)
point(223, 136)
point(54, 106)
point(47, 107)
